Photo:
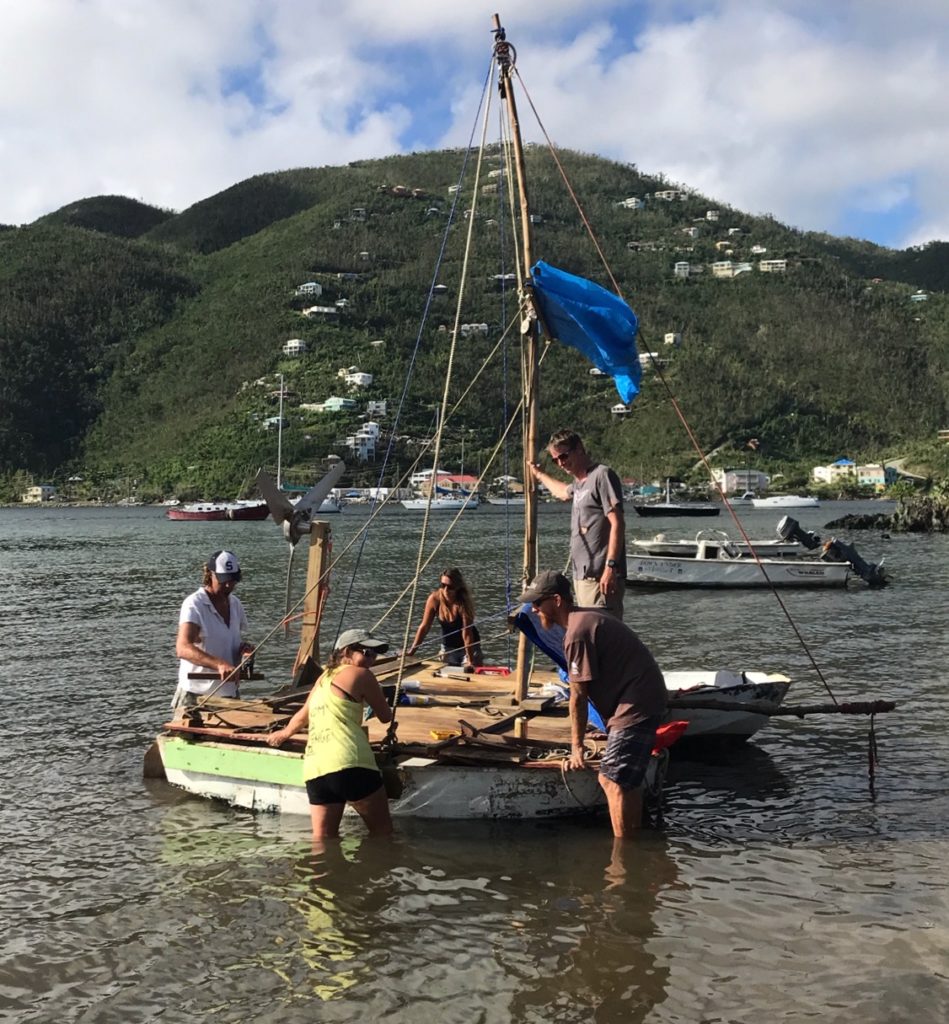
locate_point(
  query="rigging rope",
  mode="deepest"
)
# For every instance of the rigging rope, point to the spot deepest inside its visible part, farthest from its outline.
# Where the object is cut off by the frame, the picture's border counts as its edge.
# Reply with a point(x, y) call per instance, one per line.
point(672, 398)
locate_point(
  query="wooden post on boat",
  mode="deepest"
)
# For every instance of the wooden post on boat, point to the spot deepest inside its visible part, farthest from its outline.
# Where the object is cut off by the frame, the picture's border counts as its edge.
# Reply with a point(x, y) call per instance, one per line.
point(317, 589)
point(529, 330)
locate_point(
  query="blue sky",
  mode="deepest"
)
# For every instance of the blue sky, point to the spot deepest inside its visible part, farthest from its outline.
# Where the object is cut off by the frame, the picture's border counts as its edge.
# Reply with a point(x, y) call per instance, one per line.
point(830, 116)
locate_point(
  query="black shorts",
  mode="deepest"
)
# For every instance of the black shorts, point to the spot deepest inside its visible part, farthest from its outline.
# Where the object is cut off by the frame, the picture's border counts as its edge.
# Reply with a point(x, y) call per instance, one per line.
point(627, 753)
point(342, 787)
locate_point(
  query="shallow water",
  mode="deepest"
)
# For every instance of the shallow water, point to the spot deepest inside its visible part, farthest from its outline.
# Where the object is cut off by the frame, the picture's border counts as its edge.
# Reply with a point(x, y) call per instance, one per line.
point(777, 889)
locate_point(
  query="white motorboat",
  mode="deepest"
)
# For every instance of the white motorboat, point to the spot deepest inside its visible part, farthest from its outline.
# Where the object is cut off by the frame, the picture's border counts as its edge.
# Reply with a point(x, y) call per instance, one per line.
point(786, 501)
point(685, 548)
point(724, 704)
point(713, 566)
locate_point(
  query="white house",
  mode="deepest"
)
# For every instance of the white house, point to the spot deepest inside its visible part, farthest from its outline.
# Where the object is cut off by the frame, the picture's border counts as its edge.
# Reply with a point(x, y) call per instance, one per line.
point(359, 379)
point(648, 360)
point(673, 338)
point(294, 347)
point(325, 312)
point(633, 203)
point(310, 288)
point(377, 408)
point(362, 447)
point(836, 472)
point(737, 481)
point(595, 371)
point(38, 493)
point(711, 215)
point(758, 250)
point(919, 296)
point(733, 231)
point(619, 409)
point(723, 268)
point(668, 195)
point(680, 269)
point(772, 266)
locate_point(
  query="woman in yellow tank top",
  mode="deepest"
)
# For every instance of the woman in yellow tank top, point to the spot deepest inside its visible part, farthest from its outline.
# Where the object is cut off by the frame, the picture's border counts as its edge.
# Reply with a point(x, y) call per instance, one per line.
point(339, 766)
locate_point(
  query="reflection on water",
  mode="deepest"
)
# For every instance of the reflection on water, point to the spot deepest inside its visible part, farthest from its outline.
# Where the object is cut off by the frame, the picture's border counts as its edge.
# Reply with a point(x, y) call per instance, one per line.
point(776, 890)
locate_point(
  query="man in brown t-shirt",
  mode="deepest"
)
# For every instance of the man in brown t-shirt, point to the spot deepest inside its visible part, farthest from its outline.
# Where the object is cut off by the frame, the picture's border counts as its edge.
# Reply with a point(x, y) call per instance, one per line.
point(608, 664)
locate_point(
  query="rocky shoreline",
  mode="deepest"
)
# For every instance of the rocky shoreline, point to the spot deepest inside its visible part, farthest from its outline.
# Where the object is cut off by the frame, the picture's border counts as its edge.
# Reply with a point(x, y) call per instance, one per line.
point(921, 514)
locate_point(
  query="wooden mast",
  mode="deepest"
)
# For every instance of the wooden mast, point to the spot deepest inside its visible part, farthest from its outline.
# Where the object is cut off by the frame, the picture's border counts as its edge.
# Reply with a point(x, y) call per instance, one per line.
point(506, 56)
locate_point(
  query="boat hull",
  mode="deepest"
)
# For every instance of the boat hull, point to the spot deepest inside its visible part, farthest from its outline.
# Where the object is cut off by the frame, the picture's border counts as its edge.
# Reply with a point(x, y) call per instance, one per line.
point(717, 573)
point(263, 779)
point(689, 548)
point(440, 504)
point(214, 512)
point(785, 501)
point(662, 509)
point(211, 514)
point(739, 694)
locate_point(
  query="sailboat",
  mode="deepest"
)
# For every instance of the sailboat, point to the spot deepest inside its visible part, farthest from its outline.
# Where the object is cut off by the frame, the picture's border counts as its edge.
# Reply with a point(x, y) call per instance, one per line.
point(485, 743)
point(675, 508)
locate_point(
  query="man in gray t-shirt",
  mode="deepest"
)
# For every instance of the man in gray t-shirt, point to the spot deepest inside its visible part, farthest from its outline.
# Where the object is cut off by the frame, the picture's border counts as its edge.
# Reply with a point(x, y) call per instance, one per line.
point(597, 525)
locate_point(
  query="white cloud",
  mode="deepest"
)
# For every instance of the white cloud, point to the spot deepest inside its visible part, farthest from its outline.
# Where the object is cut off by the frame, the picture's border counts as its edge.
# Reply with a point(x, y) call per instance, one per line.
point(793, 107)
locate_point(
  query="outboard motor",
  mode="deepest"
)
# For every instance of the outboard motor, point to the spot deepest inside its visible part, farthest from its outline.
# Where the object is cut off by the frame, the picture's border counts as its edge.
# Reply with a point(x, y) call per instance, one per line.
point(833, 550)
point(790, 529)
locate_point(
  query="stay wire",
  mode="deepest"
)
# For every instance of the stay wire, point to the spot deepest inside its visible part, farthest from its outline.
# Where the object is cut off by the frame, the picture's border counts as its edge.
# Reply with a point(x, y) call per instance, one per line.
point(673, 400)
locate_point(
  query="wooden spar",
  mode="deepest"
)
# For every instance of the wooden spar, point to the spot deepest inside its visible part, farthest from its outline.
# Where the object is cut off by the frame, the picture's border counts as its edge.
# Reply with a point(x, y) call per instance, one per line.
point(529, 348)
point(317, 589)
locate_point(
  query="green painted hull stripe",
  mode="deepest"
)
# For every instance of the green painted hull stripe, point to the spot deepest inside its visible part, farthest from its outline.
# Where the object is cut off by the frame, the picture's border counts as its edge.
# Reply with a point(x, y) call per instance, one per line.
point(246, 764)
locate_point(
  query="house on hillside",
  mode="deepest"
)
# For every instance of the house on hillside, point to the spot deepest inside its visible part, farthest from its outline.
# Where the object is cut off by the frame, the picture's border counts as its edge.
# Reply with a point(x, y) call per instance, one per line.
point(37, 494)
point(336, 404)
point(294, 347)
point(309, 288)
point(672, 338)
point(738, 481)
point(773, 266)
point(320, 312)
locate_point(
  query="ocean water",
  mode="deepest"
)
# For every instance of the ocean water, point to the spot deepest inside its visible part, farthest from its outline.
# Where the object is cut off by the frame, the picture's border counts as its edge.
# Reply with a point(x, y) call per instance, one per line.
point(779, 886)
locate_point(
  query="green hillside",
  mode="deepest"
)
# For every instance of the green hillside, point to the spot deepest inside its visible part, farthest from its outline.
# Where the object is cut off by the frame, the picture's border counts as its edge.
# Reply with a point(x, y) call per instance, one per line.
point(151, 348)
point(112, 215)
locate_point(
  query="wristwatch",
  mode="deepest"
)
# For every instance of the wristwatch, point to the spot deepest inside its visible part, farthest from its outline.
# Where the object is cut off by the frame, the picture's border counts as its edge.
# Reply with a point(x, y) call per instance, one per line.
point(611, 563)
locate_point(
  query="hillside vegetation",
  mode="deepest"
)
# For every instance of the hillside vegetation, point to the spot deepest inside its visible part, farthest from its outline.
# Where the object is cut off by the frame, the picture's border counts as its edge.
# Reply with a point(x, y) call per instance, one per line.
point(131, 339)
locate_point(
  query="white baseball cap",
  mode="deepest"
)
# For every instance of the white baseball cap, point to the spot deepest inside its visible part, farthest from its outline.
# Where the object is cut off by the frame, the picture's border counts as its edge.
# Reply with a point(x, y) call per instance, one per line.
point(360, 638)
point(225, 566)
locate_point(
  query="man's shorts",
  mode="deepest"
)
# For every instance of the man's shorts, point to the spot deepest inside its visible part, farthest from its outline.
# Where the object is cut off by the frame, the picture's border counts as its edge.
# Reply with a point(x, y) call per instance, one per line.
point(346, 786)
point(627, 753)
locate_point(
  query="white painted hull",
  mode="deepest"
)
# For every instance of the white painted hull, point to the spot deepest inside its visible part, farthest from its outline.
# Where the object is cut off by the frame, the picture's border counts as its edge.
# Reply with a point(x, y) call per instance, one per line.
point(713, 573)
point(430, 790)
point(757, 689)
point(785, 501)
point(689, 548)
point(440, 504)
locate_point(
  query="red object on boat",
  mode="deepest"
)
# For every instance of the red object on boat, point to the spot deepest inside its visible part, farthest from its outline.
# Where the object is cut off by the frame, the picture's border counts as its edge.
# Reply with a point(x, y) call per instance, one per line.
point(668, 733)
point(492, 670)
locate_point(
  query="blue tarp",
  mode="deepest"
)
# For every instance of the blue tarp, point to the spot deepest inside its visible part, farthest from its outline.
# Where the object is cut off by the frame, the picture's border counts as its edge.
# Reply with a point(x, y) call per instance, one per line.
point(587, 317)
point(550, 641)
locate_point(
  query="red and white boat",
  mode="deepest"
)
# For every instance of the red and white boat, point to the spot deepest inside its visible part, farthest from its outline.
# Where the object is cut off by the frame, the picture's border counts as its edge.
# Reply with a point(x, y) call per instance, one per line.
point(217, 511)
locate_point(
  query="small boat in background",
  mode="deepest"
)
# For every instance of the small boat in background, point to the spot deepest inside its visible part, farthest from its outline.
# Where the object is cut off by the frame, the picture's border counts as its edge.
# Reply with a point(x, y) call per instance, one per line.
point(218, 511)
point(442, 504)
point(786, 501)
point(676, 508)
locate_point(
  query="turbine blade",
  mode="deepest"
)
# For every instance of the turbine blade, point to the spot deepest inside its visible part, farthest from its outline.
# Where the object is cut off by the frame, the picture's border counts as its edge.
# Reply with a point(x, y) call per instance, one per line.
point(278, 503)
point(311, 501)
